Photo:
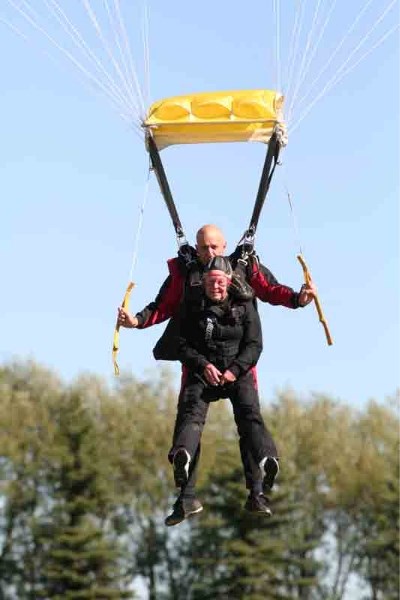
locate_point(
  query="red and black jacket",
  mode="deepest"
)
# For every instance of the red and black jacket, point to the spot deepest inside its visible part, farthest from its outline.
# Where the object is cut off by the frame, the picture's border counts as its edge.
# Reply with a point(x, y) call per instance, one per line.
point(179, 284)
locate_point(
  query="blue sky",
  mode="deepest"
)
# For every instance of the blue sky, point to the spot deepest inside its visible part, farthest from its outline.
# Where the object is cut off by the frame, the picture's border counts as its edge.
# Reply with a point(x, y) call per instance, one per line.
point(73, 177)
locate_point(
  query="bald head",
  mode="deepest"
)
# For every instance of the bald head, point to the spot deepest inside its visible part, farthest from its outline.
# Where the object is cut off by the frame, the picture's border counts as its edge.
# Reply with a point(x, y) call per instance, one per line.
point(210, 242)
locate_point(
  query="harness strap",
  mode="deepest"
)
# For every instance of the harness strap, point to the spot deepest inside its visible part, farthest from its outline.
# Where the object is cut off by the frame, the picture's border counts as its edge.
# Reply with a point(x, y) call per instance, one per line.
point(195, 278)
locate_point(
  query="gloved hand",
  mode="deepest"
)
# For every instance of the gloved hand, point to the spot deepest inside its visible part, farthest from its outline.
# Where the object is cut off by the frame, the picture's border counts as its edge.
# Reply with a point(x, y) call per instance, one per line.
point(187, 253)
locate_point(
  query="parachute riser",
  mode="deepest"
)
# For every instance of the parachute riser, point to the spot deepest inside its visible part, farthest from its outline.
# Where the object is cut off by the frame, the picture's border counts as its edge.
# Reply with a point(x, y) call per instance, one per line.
point(271, 160)
point(158, 168)
point(184, 249)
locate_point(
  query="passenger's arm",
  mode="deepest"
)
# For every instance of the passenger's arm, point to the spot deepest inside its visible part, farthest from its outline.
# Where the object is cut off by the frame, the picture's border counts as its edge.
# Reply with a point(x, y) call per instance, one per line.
point(187, 354)
point(251, 344)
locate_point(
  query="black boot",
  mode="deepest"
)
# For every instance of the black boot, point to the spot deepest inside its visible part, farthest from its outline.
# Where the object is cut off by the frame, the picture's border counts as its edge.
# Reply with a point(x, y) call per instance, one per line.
point(258, 503)
point(183, 508)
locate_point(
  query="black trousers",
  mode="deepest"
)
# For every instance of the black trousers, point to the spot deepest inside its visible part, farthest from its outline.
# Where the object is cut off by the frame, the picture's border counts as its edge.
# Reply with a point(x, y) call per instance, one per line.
point(255, 440)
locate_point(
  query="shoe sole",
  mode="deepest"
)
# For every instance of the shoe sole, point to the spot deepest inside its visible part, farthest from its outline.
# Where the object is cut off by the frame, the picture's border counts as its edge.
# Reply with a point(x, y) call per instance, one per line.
point(169, 522)
point(271, 470)
point(267, 513)
point(180, 475)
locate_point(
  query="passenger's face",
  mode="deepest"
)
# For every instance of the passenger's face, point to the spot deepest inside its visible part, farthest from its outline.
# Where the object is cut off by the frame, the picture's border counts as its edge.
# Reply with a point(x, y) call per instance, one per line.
point(216, 284)
point(209, 244)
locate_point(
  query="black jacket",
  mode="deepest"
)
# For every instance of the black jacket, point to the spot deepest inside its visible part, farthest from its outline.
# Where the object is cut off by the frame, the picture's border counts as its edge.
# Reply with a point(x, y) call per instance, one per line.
point(227, 335)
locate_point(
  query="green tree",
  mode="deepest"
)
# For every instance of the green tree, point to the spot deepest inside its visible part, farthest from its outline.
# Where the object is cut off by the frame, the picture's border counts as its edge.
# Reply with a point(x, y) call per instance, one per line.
point(377, 517)
point(55, 493)
point(28, 394)
point(86, 485)
point(237, 555)
point(80, 562)
point(142, 432)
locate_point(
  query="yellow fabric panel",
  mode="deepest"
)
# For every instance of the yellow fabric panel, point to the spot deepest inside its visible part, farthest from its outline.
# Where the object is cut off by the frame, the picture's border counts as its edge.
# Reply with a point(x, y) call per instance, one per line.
point(233, 116)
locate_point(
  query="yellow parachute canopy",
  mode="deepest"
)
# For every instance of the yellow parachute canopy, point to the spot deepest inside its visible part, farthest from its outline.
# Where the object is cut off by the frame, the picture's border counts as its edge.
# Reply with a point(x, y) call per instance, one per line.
point(233, 116)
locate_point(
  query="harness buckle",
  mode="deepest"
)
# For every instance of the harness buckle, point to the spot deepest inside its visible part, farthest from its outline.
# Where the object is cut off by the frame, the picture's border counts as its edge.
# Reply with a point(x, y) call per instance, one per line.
point(247, 242)
point(209, 329)
point(243, 260)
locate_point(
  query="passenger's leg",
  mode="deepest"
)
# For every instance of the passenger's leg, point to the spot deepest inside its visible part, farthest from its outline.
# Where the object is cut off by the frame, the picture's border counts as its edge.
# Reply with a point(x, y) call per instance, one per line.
point(258, 450)
point(185, 451)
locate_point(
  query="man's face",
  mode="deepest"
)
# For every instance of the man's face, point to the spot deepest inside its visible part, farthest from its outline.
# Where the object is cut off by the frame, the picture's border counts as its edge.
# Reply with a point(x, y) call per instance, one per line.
point(209, 244)
point(216, 284)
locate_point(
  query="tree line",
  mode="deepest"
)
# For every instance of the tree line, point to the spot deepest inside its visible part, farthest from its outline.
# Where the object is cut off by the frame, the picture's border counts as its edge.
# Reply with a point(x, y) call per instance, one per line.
point(86, 485)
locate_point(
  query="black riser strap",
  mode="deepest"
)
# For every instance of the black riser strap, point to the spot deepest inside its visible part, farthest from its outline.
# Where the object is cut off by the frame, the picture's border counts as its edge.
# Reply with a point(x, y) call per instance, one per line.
point(164, 185)
point(271, 160)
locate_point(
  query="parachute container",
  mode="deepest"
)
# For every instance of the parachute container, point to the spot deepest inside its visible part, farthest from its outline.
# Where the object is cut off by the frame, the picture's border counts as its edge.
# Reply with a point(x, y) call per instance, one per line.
point(233, 116)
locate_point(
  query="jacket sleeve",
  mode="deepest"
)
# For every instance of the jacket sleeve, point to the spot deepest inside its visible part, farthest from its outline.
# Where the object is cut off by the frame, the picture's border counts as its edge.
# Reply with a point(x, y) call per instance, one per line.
point(268, 289)
point(166, 303)
point(251, 344)
point(187, 354)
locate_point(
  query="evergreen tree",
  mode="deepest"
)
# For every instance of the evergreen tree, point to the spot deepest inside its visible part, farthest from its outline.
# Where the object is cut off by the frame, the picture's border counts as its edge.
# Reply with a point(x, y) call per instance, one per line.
point(143, 435)
point(239, 555)
point(80, 562)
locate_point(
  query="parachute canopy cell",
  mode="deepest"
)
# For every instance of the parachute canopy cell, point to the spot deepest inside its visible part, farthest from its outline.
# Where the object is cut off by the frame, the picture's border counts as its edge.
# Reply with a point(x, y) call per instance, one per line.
point(233, 116)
